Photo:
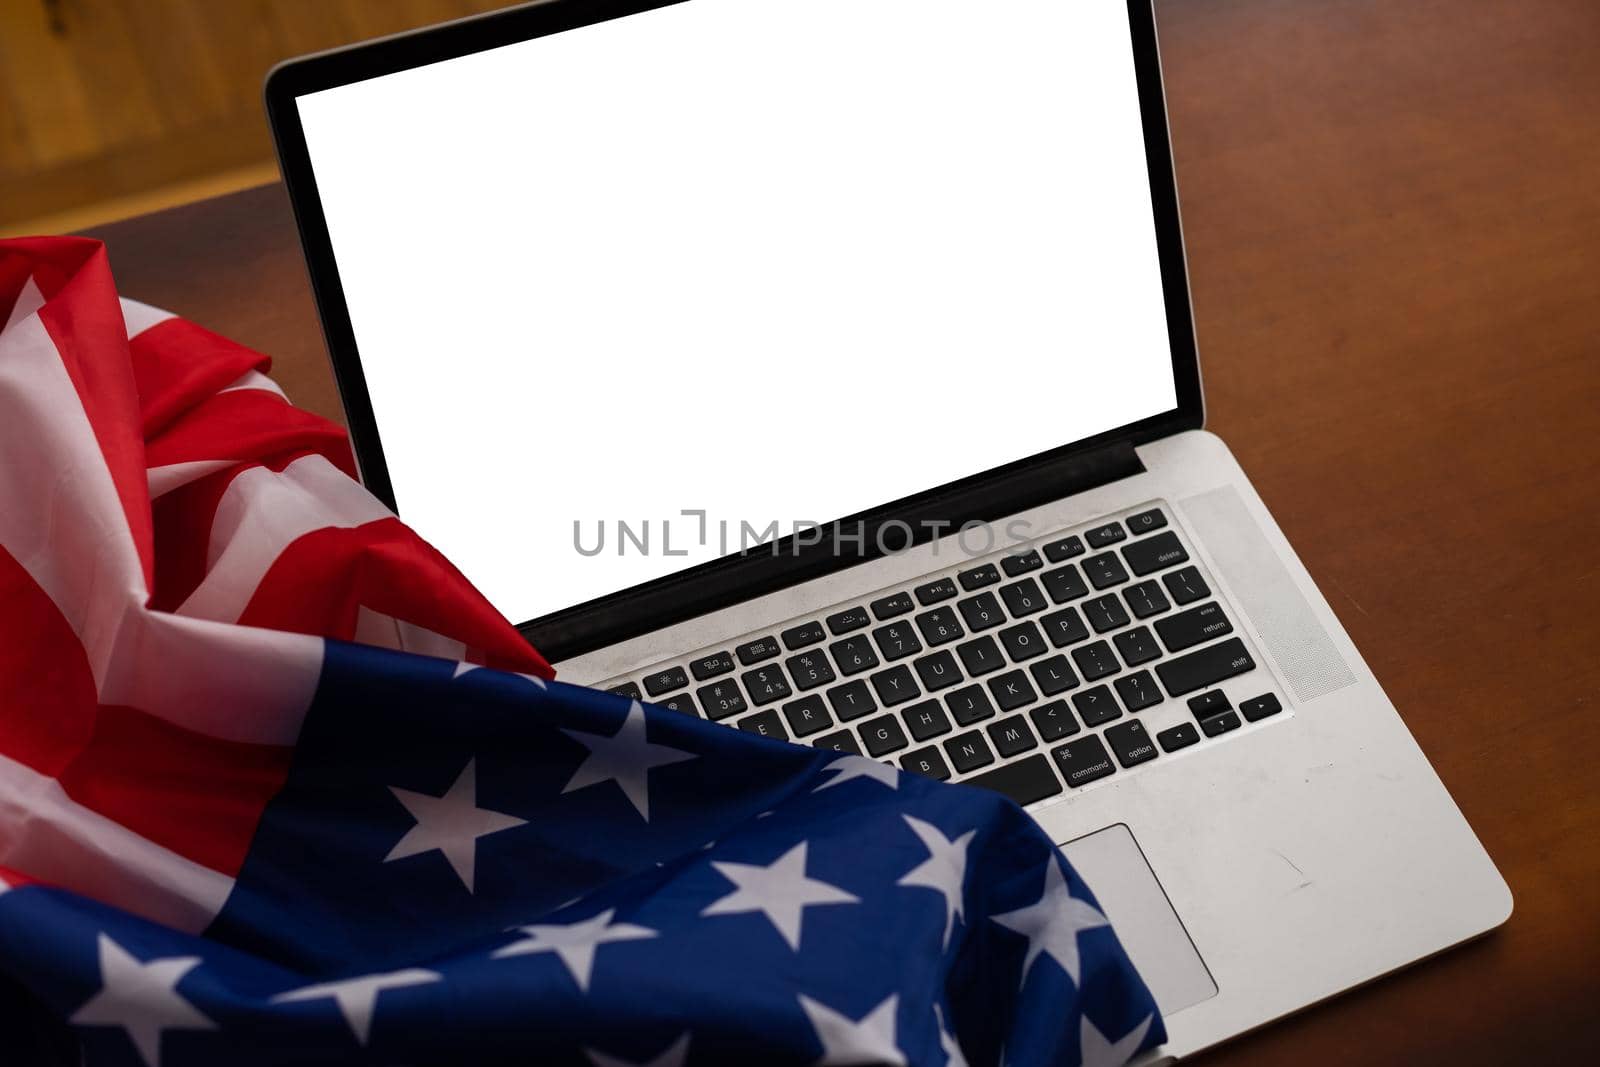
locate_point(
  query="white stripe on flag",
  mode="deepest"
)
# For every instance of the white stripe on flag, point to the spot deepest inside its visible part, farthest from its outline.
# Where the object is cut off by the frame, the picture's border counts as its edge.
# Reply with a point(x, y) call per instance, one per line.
point(45, 832)
point(386, 631)
point(28, 301)
point(63, 520)
point(262, 513)
point(139, 317)
point(254, 379)
point(164, 480)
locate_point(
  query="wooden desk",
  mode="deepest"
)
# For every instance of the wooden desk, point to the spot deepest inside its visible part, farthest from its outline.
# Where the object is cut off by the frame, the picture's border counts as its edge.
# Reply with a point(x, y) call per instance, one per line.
point(1393, 219)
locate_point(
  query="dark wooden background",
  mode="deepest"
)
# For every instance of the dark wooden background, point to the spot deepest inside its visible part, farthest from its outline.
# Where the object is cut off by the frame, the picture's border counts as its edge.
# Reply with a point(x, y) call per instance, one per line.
point(1393, 218)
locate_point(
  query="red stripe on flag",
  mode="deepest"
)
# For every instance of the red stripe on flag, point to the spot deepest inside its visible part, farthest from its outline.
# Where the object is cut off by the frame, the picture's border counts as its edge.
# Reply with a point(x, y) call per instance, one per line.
point(179, 365)
point(322, 580)
point(249, 424)
point(84, 320)
point(49, 697)
point(201, 797)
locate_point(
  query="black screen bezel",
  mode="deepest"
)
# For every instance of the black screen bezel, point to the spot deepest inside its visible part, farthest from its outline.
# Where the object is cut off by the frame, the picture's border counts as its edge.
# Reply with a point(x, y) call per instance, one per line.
point(718, 583)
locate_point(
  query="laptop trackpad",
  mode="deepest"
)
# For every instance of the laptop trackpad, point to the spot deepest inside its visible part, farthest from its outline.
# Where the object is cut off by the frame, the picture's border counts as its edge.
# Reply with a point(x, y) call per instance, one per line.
point(1129, 895)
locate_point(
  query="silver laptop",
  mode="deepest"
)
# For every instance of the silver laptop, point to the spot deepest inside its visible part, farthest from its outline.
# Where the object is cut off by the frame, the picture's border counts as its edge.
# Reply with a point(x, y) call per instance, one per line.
point(826, 368)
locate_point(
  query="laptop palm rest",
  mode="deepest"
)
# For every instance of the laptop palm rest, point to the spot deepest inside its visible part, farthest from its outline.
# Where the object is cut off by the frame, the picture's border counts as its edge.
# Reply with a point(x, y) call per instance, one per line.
point(1111, 861)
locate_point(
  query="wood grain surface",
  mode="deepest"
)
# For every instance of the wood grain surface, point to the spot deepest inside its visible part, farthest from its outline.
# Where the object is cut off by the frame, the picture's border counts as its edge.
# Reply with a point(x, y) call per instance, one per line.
point(1392, 210)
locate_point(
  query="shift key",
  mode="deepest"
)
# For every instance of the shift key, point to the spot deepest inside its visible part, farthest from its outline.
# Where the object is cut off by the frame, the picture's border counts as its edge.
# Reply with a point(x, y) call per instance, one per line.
point(1206, 667)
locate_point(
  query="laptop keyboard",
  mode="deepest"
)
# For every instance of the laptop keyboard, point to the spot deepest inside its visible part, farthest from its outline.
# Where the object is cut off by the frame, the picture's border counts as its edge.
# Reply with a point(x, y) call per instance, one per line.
point(1024, 674)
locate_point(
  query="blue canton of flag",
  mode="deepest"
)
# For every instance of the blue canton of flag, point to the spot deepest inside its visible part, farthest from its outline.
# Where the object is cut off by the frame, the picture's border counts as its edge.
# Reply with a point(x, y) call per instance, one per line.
point(472, 866)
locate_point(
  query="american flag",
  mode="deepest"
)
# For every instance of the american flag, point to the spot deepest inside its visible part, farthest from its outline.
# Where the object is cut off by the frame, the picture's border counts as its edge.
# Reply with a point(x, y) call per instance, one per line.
point(277, 785)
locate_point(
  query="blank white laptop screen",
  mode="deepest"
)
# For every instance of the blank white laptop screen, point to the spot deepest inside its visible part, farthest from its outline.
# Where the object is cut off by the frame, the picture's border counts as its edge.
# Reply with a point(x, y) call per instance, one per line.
point(773, 260)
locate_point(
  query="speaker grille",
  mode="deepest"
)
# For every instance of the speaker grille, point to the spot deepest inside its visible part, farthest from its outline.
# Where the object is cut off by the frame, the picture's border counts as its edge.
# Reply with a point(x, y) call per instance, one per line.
point(1284, 621)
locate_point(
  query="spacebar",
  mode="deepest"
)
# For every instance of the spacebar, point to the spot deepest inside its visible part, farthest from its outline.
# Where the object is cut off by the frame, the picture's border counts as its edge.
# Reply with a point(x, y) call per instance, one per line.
point(1024, 781)
point(1206, 667)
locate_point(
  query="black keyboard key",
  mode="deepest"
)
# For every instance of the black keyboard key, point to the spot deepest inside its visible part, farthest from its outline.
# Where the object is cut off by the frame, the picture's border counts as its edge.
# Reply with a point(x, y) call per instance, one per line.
point(1021, 563)
point(807, 715)
point(1206, 667)
point(1096, 706)
point(681, 702)
point(809, 670)
point(1130, 743)
point(851, 700)
point(1064, 584)
point(939, 626)
point(926, 719)
point(1095, 661)
point(1011, 736)
point(1064, 627)
point(1054, 721)
point(711, 666)
point(935, 591)
point(751, 652)
point(882, 735)
point(1053, 675)
point(1022, 641)
point(1011, 690)
point(938, 671)
point(1259, 708)
point(1220, 724)
point(1104, 570)
point(897, 640)
point(1207, 704)
point(1146, 599)
point(926, 762)
point(978, 577)
point(1146, 521)
point(840, 741)
point(803, 636)
point(1137, 646)
point(848, 621)
point(626, 689)
point(1138, 691)
point(1082, 761)
point(1023, 598)
point(895, 686)
point(1155, 553)
point(766, 684)
point(1180, 736)
point(1025, 781)
point(968, 751)
point(969, 704)
point(981, 611)
point(766, 723)
point(1186, 586)
point(980, 656)
point(1066, 548)
point(1105, 613)
point(854, 655)
point(722, 699)
point(1192, 627)
point(892, 606)
point(665, 681)
point(1109, 534)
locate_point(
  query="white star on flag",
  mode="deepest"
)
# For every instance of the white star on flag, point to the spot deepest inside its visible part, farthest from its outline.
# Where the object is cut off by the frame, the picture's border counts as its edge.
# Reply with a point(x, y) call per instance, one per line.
point(574, 943)
point(870, 1041)
point(451, 823)
point(142, 998)
point(780, 891)
point(356, 997)
point(1096, 1051)
point(674, 1056)
point(847, 767)
point(953, 1056)
point(1052, 925)
point(944, 871)
point(463, 667)
point(625, 758)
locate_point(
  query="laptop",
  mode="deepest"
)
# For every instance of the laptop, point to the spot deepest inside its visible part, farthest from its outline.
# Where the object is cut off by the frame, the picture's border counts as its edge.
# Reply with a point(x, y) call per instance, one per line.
point(826, 368)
